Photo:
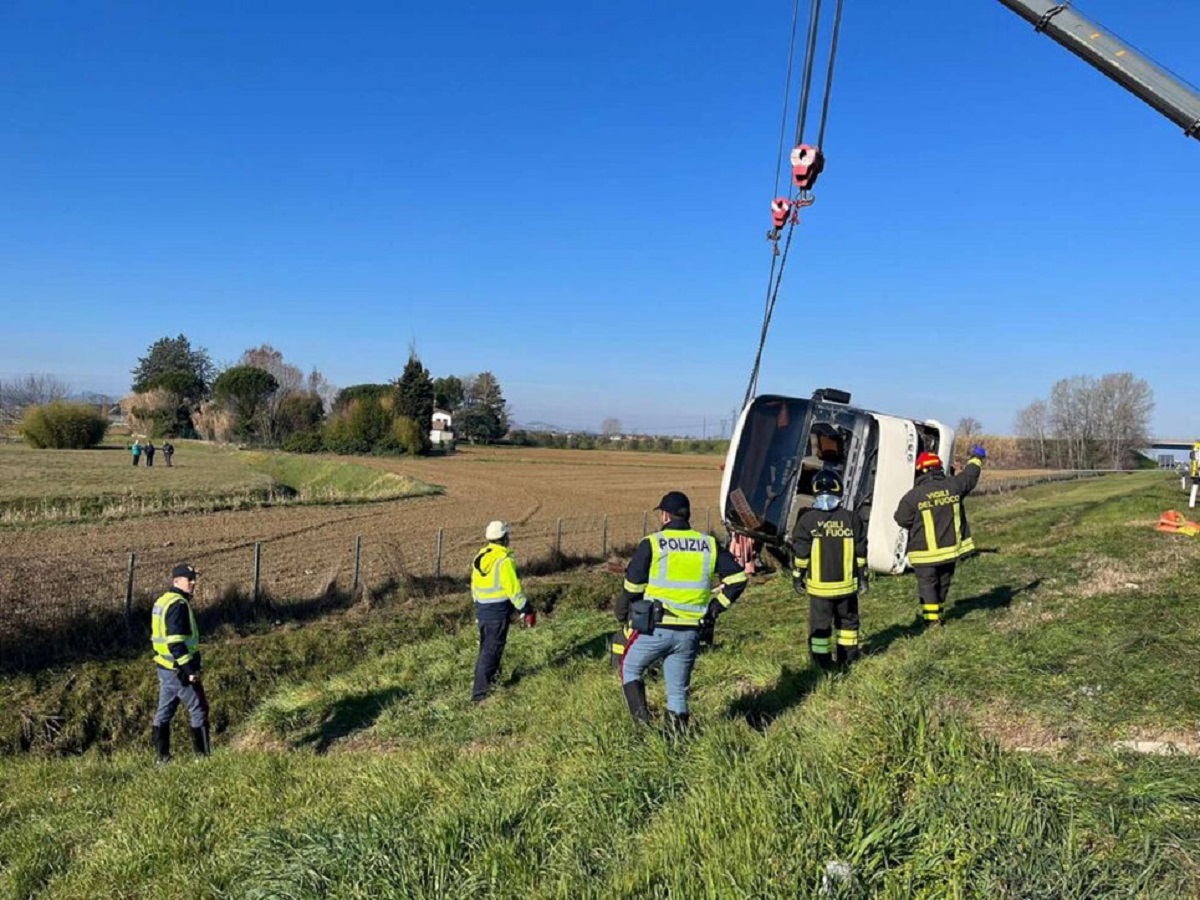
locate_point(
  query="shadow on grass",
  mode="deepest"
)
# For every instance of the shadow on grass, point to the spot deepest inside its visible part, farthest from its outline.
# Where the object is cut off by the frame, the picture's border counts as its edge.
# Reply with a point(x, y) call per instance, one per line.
point(351, 714)
point(762, 707)
point(586, 648)
point(997, 598)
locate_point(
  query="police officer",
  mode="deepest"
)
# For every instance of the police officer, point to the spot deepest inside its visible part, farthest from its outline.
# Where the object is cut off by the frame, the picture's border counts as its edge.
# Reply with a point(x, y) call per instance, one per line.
point(176, 642)
point(496, 590)
point(668, 592)
point(938, 534)
point(829, 565)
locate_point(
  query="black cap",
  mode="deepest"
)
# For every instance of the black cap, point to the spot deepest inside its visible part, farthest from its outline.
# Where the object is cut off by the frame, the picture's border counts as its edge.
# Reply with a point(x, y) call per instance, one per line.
point(675, 503)
point(183, 570)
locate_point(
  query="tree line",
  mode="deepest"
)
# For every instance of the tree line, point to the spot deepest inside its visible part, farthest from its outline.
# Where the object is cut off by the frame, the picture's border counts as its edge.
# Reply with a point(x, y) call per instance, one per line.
point(1087, 423)
point(263, 399)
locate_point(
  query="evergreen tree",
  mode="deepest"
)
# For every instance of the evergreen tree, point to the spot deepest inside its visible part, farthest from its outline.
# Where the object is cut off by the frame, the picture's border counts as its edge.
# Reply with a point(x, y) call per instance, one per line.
point(484, 416)
point(414, 398)
point(172, 363)
point(448, 393)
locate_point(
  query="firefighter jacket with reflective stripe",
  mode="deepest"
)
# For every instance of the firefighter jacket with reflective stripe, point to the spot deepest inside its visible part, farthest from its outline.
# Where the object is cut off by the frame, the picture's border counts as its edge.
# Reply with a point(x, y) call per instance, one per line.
point(830, 551)
point(679, 567)
point(932, 512)
point(174, 634)
point(495, 587)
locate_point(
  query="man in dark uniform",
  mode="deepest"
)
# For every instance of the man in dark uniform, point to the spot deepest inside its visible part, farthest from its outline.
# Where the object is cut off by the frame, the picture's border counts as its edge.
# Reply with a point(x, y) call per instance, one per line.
point(176, 641)
point(938, 533)
point(497, 591)
point(829, 565)
point(667, 594)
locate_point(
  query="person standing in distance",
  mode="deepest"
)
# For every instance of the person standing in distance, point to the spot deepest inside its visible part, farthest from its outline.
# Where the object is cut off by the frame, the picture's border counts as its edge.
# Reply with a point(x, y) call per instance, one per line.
point(938, 535)
point(497, 591)
point(176, 641)
point(667, 593)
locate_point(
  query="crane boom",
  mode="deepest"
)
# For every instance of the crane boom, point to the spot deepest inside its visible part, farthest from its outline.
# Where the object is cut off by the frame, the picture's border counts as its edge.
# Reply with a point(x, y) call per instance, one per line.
point(1124, 65)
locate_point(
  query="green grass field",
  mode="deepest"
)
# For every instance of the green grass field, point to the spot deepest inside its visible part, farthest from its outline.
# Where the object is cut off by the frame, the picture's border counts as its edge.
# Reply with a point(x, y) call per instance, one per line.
point(39, 486)
point(978, 760)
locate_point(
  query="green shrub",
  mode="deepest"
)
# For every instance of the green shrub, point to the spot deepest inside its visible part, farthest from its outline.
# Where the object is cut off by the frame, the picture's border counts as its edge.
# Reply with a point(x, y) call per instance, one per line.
point(408, 435)
point(304, 442)
point(64, 426)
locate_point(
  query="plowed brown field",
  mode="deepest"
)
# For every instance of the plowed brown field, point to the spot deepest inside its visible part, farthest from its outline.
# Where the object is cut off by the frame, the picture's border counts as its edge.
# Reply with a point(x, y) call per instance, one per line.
point(307, 548)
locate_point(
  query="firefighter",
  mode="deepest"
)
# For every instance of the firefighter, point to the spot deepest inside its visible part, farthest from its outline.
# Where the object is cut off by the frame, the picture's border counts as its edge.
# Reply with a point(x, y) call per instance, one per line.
point(497, 592)
point(938, 533)
point(176, 641)
point(668, 592)
point(829, 565)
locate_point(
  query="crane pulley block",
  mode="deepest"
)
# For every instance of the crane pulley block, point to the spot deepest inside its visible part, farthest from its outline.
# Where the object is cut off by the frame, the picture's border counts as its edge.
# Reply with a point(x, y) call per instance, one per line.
point(807, 163)
point(781, 209)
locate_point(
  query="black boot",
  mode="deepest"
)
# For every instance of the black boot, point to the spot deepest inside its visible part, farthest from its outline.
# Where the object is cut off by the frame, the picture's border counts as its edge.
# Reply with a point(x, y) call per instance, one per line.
point(825, 661)
point(162, 743)
point(847, 656)
point(635, 696)
point(677, 724)
point(200, 740)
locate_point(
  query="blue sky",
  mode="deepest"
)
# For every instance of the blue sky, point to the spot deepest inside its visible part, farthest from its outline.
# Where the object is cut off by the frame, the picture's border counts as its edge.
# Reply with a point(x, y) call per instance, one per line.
point(574, 196)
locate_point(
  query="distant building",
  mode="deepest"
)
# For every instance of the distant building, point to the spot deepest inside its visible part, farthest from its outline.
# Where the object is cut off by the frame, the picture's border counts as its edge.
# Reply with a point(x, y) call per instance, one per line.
point(442, 431)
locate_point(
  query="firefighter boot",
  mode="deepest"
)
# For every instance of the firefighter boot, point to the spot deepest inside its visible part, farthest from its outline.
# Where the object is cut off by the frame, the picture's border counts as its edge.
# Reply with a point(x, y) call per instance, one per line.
point(825, 661)
point(200, 740)
point(677, 724)
point(635, 696)
point(162, 743)
point(847, 656)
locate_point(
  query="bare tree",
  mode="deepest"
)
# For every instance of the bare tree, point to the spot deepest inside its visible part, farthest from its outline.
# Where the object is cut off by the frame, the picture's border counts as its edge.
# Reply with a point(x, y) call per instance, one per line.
point(1031, 425)
point(291, 380)
point(1074, 421)
point(32, 390)
point(1123, 406)
point(610, 427)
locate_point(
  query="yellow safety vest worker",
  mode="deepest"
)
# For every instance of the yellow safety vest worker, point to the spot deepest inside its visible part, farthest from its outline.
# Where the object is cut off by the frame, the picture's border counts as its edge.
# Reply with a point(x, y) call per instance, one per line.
point(682, 566)
point(161, 638)
point(494, 578)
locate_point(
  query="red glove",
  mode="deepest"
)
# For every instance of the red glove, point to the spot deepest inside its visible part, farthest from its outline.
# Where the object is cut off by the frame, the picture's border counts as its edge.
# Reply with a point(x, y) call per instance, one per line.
point(529, 619)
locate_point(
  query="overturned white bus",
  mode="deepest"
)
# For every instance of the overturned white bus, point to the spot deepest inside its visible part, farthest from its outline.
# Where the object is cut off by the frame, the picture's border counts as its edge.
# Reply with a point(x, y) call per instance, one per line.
point(780, 443)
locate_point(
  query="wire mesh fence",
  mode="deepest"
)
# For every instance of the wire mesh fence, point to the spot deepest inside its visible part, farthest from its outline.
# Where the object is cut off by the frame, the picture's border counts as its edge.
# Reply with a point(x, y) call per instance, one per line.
point(54, 610)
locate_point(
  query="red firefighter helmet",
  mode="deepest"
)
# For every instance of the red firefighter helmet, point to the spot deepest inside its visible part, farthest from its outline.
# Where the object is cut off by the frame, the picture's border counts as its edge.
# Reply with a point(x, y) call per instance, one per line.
point(928, 462)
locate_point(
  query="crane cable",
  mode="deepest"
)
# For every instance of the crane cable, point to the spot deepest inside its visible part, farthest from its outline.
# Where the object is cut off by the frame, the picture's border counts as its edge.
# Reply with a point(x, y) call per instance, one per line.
point(779, 257)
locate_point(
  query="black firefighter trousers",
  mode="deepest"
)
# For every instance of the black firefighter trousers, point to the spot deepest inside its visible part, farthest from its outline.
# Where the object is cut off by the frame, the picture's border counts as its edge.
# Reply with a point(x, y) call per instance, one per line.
point(493, 635)
point(933, 588)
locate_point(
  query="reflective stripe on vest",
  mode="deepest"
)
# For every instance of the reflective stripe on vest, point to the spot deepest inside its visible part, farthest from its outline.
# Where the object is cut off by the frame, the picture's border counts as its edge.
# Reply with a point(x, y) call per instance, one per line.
point(817, 587)
point(488, 587)
point(161, 640)
point(682, 565)
point(935, 554)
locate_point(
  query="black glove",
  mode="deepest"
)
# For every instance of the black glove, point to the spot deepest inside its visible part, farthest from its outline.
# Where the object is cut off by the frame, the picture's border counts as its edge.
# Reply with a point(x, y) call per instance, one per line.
point(864, 583)
point(798, 584)
point(714, 610)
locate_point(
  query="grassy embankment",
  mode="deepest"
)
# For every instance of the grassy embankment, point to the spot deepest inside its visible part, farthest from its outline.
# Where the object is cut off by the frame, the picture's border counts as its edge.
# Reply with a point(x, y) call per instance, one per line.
point(39, 486)
point(353, 764)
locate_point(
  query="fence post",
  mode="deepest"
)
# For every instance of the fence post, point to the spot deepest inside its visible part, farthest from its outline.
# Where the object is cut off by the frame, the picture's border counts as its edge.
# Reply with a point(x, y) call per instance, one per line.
point(604, 537)
point(357, 563)
point(708, 520)
point(129, 595)
point(644, 514)
point(437, 556)
point(558, 538)
point(257, 569)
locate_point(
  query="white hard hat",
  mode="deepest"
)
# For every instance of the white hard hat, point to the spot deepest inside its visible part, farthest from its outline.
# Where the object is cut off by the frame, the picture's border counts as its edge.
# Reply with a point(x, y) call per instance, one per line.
point(496, 530)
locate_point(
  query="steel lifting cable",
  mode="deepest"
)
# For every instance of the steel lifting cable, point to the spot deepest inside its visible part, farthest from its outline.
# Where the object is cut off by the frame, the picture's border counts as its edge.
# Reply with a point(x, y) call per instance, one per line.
point(779, 257)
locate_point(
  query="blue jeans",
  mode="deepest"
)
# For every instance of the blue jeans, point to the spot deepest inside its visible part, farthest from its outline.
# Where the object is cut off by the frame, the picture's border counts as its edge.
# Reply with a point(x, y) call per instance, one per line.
point(677, 648)
point(171, 691)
